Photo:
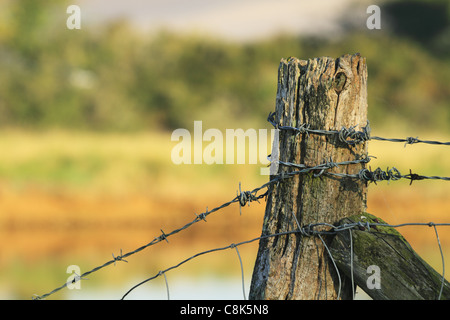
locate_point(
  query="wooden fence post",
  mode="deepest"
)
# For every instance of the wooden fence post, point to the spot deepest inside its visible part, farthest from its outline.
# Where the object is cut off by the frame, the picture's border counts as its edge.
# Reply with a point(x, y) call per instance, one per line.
point(326, 94)
point(400, 273)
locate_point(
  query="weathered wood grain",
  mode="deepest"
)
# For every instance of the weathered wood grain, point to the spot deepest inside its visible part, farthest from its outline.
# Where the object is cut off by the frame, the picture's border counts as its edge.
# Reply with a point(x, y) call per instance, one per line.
point(404, 275)
point(327, 94)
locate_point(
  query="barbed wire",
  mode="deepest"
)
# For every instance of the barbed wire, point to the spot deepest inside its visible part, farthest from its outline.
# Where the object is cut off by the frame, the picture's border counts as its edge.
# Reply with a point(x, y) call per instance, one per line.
point(349, 135)
point(364, 174)
point(392, 174)
point(308, 230)
point(245, 197)
point(242, 197)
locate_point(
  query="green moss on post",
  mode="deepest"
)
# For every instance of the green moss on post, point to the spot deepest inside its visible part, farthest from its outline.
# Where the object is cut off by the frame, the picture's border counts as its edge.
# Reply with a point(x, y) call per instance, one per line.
point(326, 94)
point(403, 274)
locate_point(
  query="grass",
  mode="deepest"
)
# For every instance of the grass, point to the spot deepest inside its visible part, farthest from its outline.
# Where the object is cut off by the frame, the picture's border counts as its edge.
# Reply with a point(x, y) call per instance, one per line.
point(103, 162)
point(75, 198)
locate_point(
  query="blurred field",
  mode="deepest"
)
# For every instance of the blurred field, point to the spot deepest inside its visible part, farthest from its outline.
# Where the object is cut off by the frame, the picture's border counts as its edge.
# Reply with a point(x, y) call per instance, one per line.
point(76, 198)
point(105, 181)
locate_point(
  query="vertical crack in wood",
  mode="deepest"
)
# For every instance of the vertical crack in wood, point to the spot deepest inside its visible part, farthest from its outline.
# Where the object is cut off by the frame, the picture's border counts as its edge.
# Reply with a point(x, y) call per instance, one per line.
point(286, 266)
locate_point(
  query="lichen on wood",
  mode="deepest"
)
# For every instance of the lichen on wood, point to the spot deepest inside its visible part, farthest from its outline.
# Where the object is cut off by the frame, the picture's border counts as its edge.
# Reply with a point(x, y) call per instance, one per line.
point(326, 94)
point(404, 275)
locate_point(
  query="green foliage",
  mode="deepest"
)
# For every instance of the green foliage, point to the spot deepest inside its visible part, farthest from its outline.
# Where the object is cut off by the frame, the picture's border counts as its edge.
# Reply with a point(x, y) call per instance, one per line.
point(114, 78)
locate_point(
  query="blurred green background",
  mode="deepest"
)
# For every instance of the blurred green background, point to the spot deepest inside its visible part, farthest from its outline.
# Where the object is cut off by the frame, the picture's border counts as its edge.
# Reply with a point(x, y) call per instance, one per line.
point(85, 123)
point(111, 77)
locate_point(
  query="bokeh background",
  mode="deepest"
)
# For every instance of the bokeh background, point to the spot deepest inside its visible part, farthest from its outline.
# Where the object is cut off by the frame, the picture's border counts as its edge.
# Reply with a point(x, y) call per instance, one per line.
point(86, 118)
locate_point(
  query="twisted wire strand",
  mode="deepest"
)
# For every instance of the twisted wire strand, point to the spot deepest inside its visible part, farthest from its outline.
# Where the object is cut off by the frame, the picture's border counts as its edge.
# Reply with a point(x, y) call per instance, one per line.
point(392, 174)
point(349, 135)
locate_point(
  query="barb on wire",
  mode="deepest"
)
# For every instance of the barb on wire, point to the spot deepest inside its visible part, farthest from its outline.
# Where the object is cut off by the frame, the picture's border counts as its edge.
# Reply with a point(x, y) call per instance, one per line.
point(410, 140)
point(118, 258)
point(244, 198)
point(392, 174)
point(349, 135)
point(163, 236)
point(202, 216)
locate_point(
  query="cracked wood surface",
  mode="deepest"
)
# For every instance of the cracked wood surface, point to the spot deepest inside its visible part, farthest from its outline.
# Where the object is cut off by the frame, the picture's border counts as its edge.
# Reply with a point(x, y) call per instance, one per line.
point(403, 274)
point(327, 94)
